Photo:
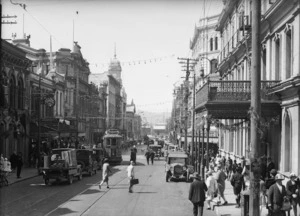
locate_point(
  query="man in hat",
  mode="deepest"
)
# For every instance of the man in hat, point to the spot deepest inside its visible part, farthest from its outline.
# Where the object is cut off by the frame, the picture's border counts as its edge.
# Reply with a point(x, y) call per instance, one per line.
point(276, 194)
point(292, 190)
point(105, 170)
point(197, 194)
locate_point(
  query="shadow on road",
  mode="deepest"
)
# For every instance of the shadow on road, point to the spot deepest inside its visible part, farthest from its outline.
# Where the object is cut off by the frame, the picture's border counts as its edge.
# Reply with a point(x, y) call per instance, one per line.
point(90, 191)
point(63, 211)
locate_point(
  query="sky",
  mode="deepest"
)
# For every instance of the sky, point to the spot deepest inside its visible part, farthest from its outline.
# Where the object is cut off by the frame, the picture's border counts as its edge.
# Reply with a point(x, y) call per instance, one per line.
point(147, 35)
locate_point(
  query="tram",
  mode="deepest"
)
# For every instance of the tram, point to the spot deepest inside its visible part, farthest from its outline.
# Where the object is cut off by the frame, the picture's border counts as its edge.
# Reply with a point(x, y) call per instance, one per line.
point(112, 141)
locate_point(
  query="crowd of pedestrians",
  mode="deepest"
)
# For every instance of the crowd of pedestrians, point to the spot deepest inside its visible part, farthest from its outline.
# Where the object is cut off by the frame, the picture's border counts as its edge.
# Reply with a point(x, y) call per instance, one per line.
point(278, 198)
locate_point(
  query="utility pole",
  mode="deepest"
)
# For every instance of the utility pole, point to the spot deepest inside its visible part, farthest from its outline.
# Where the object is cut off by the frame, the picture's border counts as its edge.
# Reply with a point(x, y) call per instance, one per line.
point(256, 109)
point(188, 65)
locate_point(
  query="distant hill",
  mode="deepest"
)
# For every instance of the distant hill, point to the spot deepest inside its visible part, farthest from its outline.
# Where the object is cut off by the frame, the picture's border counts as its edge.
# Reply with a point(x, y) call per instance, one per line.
point(154, 117)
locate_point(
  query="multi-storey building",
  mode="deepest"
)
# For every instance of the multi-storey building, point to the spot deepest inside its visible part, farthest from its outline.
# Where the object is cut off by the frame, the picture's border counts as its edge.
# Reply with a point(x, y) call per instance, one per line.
point(14, 101)
point(205, 47)
point(115, 96)
point(64, 74)
point(130, 121)
point(226, 103)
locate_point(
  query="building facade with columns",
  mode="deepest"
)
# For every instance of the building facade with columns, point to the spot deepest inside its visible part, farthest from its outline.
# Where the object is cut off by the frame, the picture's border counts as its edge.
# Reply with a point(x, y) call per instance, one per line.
point(227, 101)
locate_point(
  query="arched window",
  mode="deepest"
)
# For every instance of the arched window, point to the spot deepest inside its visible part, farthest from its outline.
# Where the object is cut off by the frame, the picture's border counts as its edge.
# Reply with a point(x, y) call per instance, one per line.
point(287, 143)
point(20, 94)
point(12, 93)
point(3, 84)
point(211, 44)
point(216, 43)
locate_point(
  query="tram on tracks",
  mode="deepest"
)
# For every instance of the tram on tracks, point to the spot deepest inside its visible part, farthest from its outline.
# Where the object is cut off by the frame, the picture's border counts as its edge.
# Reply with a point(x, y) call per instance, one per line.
point(112, 142)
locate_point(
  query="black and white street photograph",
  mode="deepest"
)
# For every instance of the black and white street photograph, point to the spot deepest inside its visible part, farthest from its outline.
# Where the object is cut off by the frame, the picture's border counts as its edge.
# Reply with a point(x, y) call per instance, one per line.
point(150, 108)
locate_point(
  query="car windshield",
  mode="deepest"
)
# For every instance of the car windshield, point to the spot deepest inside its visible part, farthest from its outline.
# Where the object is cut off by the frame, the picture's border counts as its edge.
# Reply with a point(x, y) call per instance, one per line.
point(177, 160)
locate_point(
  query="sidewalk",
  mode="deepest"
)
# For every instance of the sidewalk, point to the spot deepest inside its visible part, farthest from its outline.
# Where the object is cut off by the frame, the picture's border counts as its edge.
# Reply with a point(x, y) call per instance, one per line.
point(230, 209)
point(26, 173)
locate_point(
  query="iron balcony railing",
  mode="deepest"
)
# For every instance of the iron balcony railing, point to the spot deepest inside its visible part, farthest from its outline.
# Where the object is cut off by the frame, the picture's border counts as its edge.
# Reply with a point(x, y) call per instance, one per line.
point(232, 91)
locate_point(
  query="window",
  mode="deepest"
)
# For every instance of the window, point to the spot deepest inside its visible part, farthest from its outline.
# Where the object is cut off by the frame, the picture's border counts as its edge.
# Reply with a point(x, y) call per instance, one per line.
point(12, 93)
point(277, 58)
point(20, 94)
point(288, 54)
point(211, 44)
point(216, 43)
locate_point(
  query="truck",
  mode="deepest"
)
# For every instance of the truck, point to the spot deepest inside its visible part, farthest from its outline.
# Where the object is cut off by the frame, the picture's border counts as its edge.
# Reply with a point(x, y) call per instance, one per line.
point(61, 164)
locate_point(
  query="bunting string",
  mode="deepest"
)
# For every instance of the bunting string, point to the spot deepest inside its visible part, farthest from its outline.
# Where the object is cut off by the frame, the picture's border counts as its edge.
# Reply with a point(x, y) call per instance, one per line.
point(136, 62)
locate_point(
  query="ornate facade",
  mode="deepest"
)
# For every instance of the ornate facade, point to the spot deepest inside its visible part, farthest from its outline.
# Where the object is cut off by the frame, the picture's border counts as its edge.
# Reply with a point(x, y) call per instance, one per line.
point(14, 101)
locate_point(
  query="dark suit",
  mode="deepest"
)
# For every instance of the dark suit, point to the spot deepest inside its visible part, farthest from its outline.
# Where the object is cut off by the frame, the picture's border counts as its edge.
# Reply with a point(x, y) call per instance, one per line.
point(275, 198)
point(197, 195)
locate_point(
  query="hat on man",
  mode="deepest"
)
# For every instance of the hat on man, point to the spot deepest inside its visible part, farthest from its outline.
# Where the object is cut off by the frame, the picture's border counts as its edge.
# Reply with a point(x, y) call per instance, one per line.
point(279, 177)
point(196, 175)
point(105, 160)
point(273, 172)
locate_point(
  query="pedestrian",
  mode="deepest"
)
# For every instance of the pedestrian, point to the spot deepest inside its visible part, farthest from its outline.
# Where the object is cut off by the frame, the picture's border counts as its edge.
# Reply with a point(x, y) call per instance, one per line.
point(197, 194)
point(19, 164)
point(292, 190)
point(152, 155)
point(246, 174)
point(130, 174)
point(229, 167)
point(263, 194)
point(133, 155)
point(13, 160)
point(221, 177)
point(270, 166)
point(237, 182)
point(269, 182)
point(212, 188)
point(105, 170)
point(276, 195)
point(147, 155)
point(234, 166)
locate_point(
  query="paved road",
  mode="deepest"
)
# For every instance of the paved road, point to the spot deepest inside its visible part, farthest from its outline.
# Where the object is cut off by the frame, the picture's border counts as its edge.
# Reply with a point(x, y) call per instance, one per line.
point(153, 196)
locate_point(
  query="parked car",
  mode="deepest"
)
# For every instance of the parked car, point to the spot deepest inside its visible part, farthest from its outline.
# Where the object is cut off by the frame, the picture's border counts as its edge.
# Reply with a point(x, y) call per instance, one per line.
point(85, 159)
point(98, 155)
point(177, 167)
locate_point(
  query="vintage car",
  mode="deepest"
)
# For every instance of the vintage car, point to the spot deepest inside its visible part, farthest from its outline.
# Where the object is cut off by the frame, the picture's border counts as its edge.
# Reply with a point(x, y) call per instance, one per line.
point(177, 168)
point(157, 149)
point(61, 164)
point(86, 160)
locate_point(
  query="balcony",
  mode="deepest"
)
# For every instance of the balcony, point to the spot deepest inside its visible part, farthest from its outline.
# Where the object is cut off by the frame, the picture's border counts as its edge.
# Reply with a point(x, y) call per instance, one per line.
point(231, 99)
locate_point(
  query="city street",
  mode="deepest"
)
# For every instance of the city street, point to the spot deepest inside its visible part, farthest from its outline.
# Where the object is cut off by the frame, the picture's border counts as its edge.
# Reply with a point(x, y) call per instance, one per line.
point(153, 196)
